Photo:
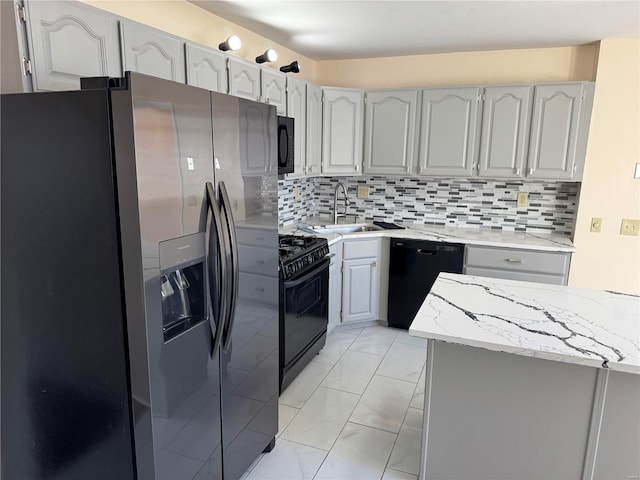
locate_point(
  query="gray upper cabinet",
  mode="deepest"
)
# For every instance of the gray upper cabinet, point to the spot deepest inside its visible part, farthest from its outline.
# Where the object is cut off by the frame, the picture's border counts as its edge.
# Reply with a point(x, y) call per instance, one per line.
point(152, 52)
point(314, 129)
point(206, 68)
point(244, 79)
point(505, 127)
point(297, 109)
point(390, 131)
point(448, 131)
point(342, 112)
point(255, 147)
point(274, 89)
point(68, 41)
point(555, 126)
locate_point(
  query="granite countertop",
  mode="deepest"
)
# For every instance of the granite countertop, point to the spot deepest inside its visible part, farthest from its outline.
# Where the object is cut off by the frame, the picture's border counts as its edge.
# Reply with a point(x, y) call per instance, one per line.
point(468, 236)
point(566, 324)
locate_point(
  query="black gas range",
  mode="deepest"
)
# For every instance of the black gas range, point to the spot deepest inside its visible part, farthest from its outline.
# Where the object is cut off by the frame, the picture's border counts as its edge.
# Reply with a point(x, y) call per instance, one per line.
point(304, 302)
point(298, 253)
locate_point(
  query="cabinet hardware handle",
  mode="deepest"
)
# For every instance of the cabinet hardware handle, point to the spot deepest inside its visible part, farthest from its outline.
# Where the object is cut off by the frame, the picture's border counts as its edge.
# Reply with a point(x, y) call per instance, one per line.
point(261, 239)
point(357, 167)
point(260, 289)
point(530, 172)
point(517, 171)
point(373, 264)
point(260, 262)
point(330, 255)
point(513, 260)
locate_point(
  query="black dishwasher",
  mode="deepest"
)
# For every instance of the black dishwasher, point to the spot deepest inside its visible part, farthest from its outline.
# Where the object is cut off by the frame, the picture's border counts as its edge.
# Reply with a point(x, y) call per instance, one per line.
point(414, 266)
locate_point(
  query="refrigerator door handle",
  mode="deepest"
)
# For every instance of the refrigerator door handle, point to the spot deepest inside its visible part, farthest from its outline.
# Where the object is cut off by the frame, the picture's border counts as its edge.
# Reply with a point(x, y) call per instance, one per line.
point(220, 295)
point(233, 264)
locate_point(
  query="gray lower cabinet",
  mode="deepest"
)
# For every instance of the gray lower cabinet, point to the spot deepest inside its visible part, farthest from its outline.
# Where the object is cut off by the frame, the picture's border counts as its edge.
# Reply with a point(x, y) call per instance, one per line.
point(335, 285)
point(616, 454)
point(274, 89)
point(152, 52)
point(342, 111)
point(244, 79)
point(390, 131)
point(517, 264)
point(559, 127)
point(206, 68)
point(449, 124)
point(506, 112)
point(297, 109)
point(68, 41)
point(361, 280)
point(314, 130)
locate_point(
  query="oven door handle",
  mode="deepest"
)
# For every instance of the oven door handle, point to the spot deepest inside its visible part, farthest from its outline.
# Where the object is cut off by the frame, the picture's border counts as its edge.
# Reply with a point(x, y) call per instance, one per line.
point(306, 276)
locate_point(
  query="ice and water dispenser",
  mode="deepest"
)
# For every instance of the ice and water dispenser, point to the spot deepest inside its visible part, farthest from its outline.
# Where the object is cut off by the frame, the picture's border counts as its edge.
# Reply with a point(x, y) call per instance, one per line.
point(182, 284)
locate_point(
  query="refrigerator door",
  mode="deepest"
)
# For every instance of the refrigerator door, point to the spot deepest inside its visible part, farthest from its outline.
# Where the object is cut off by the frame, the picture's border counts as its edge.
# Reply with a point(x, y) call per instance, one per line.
point(65, 396)
point(246, 172)
point(164, 160)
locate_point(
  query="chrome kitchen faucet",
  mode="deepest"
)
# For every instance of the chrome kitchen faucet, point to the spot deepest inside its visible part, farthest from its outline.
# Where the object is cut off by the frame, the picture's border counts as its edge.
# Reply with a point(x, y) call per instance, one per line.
point(335, 202)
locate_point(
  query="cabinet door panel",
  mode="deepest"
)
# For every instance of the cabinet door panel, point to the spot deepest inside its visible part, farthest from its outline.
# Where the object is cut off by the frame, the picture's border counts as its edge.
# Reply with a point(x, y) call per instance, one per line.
point(554, 131)
point(152, 52)
point(244, 79)
point(448, 132)
point(359, 290)
point(314, 129)
point(390, 125)
point(274, 90)
point(505, 125)
point(206, 68)
point(297, 109)
point(342, 130)
point(68, 41)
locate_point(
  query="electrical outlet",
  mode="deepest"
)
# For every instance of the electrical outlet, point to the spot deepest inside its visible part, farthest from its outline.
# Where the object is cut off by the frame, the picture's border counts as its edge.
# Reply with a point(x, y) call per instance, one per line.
point(523, 200)
point(596, 225)
point(296, 194)
point(363, 192)
point(630, 226)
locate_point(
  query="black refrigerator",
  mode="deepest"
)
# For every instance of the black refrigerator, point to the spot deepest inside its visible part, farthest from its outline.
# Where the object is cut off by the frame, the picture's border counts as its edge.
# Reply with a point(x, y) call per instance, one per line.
point(139, 313)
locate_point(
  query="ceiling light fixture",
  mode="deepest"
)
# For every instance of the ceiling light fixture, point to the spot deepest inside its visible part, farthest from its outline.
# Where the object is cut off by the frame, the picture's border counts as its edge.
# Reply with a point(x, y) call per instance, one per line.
point(269, 55)
point(232, 43)
point(293, 67)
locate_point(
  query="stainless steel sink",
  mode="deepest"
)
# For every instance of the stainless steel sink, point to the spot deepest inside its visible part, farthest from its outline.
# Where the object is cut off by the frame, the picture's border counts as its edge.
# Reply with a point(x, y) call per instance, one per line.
point(340, 228)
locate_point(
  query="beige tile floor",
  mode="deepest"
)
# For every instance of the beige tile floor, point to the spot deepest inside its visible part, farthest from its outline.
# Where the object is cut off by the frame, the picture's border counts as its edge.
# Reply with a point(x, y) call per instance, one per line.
point(355, 412)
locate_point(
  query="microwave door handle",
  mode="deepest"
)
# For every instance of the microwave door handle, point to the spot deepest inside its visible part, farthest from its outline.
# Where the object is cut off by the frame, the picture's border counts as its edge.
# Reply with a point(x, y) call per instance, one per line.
point(216, 248)
point(233, 265)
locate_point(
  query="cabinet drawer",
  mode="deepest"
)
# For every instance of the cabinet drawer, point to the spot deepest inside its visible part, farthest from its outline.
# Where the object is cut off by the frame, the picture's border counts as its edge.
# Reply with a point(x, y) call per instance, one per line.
point(258, 260)
point(260, 288)
point(553, 263)
point(361, 249)
point(515, 275)
point(259, 238)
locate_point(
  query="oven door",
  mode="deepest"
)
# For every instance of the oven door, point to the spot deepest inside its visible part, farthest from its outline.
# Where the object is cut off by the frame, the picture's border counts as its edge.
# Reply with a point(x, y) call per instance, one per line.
point(305, 311)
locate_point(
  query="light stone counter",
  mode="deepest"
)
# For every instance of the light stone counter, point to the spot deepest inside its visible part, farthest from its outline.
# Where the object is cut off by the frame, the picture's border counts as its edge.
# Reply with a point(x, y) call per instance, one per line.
point(468, 236)
point(566, 324)
point(525, 380)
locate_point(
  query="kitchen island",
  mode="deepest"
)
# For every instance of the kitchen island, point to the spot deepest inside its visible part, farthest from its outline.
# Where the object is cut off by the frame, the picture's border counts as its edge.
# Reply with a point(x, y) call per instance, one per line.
point(526, 380)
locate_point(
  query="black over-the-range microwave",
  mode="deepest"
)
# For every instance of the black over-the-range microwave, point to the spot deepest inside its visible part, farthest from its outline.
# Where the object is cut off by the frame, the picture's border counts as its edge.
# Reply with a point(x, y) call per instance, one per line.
point(285, 145)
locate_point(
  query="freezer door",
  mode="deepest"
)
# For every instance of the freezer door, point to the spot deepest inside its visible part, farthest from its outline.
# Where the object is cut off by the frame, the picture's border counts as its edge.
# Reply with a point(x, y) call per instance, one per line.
point(164, 160)
point(65, 395)
point(246, 172)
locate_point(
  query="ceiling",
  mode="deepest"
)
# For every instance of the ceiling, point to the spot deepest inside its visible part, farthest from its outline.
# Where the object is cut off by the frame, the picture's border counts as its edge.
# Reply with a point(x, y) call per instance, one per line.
point(336, 29)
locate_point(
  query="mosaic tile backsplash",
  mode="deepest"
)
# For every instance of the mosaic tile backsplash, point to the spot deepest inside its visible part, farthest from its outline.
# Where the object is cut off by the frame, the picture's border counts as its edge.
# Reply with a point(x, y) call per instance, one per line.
point(454, 202)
